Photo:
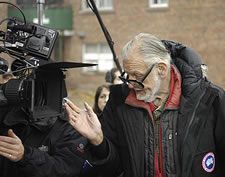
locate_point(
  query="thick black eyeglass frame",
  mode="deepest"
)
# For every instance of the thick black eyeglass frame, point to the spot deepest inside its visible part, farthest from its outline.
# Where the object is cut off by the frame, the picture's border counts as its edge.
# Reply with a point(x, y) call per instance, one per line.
point(136, 83)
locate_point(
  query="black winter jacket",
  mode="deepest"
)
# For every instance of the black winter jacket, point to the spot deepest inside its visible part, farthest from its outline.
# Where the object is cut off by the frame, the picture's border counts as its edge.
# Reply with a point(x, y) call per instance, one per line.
point(54, 151)
point(197, 141)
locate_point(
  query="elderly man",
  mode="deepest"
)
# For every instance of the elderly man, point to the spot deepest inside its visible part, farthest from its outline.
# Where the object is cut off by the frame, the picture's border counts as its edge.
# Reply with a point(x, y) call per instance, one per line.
point(166, 120)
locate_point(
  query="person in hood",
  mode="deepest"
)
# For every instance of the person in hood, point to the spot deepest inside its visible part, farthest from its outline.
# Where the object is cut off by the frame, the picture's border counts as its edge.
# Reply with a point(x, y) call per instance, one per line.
point(41, 147)
point(166, 120)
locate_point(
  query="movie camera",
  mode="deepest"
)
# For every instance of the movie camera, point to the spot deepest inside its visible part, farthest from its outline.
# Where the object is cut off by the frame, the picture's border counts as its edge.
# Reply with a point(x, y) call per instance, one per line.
point(39, 83)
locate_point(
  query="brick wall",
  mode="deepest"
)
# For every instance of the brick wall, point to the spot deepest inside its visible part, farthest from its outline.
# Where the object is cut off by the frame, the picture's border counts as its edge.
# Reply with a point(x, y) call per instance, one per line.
point(200, 24)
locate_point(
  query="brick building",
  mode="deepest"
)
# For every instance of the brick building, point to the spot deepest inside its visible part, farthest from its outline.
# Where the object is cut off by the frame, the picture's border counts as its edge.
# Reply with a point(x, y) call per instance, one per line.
point(200, 24)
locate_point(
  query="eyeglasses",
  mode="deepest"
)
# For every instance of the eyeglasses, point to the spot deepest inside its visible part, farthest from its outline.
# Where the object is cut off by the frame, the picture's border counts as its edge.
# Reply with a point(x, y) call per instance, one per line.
point(137, 84)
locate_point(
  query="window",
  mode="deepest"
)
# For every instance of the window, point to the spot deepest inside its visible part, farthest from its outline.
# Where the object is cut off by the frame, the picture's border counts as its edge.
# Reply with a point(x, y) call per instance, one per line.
point(158, 3)
point(100, 4)
point(99, 54)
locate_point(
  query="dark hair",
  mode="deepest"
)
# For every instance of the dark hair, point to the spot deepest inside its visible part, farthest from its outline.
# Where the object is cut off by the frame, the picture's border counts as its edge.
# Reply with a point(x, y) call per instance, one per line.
point(97, 94)
point(110, 75)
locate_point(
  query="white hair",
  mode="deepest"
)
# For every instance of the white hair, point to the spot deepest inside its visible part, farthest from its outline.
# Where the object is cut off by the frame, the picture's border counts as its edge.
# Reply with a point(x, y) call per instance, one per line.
point(150, 47)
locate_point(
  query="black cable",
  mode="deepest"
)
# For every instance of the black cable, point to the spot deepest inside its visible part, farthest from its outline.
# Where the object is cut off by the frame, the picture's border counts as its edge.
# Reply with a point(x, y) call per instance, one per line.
point(6, 19)
point(24, 18)
point(15, 55)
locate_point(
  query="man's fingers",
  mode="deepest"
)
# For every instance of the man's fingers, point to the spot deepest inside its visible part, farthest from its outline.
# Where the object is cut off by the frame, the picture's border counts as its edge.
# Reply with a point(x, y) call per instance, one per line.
point(73, 106)
point(72, 122)
point(71, 114)
point(6, 155)
point(10, 140)
point(12, 134)
point(91, 114)
point(88, 108)
point(7, 145)
point(6, 150)
point(11, 146)
point(9, 156)
point(75, 114)
point(69, 110)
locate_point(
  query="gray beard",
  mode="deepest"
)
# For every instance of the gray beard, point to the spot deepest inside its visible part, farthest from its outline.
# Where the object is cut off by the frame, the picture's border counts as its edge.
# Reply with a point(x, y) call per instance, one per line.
point(149, 95)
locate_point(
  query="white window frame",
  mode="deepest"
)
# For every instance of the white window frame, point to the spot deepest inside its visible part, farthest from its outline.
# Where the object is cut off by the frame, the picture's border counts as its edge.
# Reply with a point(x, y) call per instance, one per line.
point(159, 4)
point(104, 61)
point(85, 7)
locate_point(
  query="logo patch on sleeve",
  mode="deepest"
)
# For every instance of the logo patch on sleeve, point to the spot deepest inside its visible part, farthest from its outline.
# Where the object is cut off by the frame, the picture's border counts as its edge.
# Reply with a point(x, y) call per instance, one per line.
point(208, 162)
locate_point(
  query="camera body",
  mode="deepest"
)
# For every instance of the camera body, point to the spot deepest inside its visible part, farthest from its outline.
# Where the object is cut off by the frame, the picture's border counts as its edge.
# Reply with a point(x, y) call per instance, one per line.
point(39, 94)
point(30, 38)
point(37, 90)
point(39, 87)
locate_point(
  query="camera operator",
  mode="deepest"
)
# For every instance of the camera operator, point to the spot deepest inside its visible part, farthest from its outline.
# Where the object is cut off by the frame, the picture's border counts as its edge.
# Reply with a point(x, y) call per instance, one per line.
point(36, 140)
point(47, 147)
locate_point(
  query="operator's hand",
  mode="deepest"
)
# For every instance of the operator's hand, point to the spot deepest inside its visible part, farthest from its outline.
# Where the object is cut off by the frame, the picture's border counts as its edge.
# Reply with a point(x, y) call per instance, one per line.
point(85, 122)
point(11, 147)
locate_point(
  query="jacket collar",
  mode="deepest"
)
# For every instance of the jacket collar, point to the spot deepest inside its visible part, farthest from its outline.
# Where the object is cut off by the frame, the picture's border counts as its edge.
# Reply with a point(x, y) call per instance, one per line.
point(173, 101)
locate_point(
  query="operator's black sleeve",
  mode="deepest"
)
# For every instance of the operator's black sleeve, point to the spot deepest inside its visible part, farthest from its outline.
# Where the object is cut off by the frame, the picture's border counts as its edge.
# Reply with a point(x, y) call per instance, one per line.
point(56, 152)
point(65, 160)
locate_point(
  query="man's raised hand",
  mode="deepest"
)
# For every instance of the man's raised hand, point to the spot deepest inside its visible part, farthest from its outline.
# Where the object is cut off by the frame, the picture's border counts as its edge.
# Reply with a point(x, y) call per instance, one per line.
point(85, 121)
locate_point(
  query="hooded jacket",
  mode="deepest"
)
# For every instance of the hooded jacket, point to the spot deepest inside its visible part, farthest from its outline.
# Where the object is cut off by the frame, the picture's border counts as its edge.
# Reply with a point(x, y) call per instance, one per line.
point(193, 142)
point(52, 149)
